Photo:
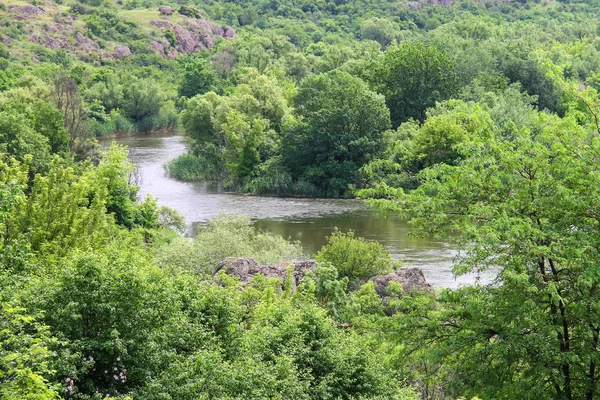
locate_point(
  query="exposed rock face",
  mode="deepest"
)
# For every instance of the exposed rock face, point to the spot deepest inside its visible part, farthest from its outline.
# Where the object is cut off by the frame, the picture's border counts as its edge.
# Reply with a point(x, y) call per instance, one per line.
point(121, 52)
point(24, 12)
point(246, 268)
point(162, 24)
point(166, 10)
point(410, 278)
point(191, 36)
point(418, 5)
point(86, 44)
point(414, 5)
point(442, 3)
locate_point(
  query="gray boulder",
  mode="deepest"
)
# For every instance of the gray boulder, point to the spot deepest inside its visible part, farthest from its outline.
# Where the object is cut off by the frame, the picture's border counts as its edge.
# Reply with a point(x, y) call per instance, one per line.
point(121, 52)
point(245, 269)
point(166, 10)
point(411, 278)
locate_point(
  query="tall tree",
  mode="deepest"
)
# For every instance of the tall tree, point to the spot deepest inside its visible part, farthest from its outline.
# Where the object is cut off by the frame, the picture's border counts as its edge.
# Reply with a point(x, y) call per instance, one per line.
point(526, 207)
point(338, 129)
point(413, 76)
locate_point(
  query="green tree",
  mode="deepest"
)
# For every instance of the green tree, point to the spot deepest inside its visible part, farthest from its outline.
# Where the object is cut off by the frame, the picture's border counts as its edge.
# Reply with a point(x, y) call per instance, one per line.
point(143, 100)
point(381, 30)
point(338, 128)
point(24, 357)
point(524, 207)
point(413, 77)
point(196, 78)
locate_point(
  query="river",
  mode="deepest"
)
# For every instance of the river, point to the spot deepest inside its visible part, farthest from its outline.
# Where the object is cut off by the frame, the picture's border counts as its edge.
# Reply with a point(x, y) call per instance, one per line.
point(309, 221)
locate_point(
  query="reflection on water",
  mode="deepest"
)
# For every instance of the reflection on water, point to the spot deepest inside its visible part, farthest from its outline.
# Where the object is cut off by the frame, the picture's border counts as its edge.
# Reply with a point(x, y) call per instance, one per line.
point(309, 221)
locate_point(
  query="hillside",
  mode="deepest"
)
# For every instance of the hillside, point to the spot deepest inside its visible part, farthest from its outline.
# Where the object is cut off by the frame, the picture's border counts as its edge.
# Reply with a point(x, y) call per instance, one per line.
point(104, 35)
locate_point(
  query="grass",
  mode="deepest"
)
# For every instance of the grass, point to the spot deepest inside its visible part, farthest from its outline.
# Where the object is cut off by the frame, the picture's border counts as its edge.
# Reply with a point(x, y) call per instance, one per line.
point(143, 17)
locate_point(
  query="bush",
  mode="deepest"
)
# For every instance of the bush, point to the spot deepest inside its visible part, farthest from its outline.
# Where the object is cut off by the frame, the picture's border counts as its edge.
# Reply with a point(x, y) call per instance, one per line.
point(197, 167)
point(190, 11)
point(356, 258)
point(227, 236)
point(115, 124)
point(280, 184)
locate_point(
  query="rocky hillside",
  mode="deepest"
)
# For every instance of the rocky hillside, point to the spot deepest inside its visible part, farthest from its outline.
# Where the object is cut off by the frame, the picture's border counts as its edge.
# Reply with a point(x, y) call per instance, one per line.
point(105, 33)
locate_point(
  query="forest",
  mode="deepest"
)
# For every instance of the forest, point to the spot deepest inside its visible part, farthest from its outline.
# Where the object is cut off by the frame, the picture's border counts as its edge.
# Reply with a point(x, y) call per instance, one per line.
point(478, 121)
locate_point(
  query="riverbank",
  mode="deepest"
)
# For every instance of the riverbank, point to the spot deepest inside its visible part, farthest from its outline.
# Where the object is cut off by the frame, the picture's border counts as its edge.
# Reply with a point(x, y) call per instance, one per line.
point(306, 220)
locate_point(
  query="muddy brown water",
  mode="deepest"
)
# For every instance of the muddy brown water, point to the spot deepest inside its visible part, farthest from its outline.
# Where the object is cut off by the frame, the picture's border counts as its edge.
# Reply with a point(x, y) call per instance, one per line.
point(309, 221)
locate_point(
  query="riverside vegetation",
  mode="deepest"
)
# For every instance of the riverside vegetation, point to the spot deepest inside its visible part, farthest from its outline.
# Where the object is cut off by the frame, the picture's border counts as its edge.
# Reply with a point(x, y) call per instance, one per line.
point(476, 121)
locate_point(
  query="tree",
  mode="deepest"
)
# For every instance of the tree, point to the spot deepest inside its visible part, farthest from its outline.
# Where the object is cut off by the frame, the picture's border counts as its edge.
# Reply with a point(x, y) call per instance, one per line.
point(196, 78)
point(66, 98)
point(143, 100)
point(381, 30)
point(239, 131)
point(413, 76)
point(339, 128)
point(24, 357)
point(526, 207)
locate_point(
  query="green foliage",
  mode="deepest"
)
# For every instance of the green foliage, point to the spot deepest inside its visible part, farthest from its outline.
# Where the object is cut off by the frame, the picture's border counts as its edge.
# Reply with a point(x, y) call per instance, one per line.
point(239, 131)
point(196, 78)
point(32, 126)
point(190, 11)
point(242, 240)
point(381, 30)
point(143, 99)
point(520, 205)
point(190, 167)
point(111, 26)
point(413, 77)
point(24, 357)
point(283, 109)
point(338, 128)
point(355, 258)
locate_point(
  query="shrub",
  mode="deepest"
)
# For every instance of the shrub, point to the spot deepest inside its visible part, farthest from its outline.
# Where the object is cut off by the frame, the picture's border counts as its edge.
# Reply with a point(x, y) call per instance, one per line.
point(227, 236)
point(190, 11)
point(354, 257)
point(193, 167)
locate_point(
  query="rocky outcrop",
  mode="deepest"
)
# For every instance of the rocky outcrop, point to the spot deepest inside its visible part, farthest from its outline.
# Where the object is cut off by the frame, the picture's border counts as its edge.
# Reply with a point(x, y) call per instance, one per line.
point(121, 52)
point(246, 268)
point(191, 36)
point(414, 5)
point(50, 27)
point(22, 13)
point(162, 24)
point(411, 278)
point(418, 5)
point(166, 10)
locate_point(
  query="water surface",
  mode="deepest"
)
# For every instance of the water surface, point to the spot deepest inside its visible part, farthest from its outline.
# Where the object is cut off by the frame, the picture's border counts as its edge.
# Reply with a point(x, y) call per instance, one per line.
point(309, 221)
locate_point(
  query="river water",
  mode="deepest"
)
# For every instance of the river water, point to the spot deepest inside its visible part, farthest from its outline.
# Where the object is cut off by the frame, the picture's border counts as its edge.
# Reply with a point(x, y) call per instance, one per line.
point(309, 221)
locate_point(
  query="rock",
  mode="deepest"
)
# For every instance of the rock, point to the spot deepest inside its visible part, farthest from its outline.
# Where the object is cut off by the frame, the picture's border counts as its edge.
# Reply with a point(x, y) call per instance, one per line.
point(162, 24)
point(158, 47)
point(192, 36)
point(185, 40)
point(229, 33)
point(411, 278)
point(414, 5)
point(246, 268)
point(52, 43)
point(23, 12)
point(166, 10)
point(121, 52)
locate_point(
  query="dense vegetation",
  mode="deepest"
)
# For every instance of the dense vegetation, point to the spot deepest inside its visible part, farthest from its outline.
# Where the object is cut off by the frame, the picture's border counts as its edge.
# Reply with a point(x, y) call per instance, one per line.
point(477, 121)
